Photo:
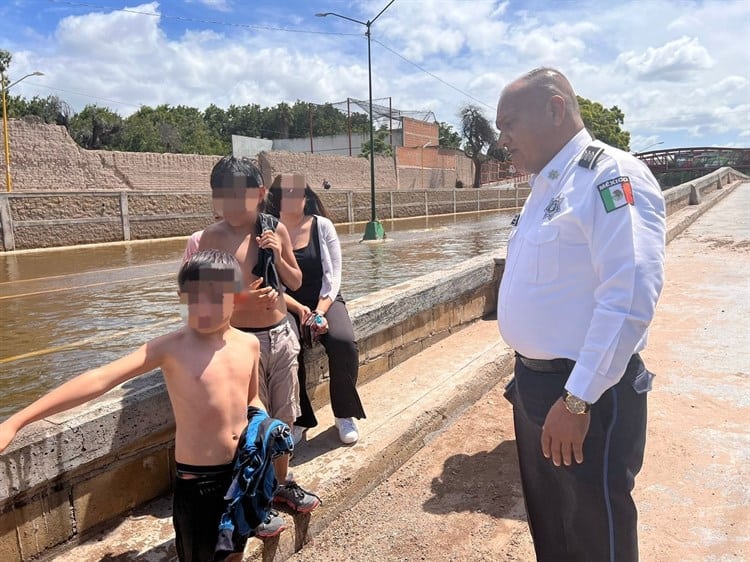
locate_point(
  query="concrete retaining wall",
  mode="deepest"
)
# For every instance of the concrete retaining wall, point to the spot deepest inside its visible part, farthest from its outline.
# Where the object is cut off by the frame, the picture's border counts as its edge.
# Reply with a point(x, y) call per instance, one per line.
point(692, 193)
point(67, 474)
point(48, 219)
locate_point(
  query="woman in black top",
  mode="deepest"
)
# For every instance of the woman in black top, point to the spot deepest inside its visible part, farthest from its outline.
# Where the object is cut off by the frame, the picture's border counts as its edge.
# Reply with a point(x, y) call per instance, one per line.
point(318, 301)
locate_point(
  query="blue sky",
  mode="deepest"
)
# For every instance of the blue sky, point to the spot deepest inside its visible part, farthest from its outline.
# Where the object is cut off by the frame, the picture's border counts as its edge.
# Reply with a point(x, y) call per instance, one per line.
point(680, 70)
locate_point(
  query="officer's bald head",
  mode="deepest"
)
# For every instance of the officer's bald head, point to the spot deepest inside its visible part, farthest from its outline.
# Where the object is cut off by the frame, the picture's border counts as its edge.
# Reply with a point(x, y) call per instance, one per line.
point(540, 84)
point(537, 115)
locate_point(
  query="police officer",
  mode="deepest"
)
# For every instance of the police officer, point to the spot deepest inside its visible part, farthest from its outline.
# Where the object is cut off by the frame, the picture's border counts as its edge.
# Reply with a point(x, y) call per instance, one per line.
point(584, 270)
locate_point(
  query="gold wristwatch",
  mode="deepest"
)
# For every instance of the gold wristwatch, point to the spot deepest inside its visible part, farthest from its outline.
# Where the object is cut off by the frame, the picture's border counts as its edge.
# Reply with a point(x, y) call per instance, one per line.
point(575, 405)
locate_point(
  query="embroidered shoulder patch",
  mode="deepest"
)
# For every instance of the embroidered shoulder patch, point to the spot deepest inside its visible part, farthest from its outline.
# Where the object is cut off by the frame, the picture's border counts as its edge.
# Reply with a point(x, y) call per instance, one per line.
point(616, 193)
point(590, 156)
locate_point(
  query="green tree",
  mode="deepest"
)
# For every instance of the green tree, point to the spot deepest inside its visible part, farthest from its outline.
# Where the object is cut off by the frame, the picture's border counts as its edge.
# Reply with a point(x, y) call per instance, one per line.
point(281, 120)
point(95, 127)
point(448, 138)
point(479, 135)
point(178, 129)
point(605, 124)
point(5, 58)
point(50, 109)
point(381, 143)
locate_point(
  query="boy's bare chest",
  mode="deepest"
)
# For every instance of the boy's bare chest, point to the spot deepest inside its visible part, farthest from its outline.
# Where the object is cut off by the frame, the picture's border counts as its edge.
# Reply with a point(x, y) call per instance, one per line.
point(246, 252)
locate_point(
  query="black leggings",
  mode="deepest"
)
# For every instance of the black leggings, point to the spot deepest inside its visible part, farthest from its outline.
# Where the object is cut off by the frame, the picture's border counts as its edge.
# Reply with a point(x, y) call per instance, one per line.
point(343, 369)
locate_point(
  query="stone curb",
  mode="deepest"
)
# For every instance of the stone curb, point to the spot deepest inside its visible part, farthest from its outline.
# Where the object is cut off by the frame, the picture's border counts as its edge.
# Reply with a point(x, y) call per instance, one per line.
point(680, 224)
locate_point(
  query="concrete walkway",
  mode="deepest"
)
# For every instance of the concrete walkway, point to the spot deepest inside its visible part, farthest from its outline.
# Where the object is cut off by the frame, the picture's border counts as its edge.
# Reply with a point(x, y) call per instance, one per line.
point(459, 498)
point(435, 478)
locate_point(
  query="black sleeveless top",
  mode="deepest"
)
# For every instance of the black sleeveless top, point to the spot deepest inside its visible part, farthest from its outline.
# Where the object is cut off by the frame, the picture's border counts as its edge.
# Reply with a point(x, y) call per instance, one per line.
point(311, 265)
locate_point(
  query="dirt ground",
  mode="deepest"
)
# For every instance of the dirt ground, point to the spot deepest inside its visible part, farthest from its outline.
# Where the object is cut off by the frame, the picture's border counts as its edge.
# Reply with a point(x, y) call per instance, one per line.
point(459, 498)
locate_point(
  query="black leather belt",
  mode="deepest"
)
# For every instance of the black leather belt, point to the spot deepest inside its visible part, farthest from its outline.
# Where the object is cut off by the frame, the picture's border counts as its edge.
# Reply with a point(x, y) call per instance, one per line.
point(547, 365)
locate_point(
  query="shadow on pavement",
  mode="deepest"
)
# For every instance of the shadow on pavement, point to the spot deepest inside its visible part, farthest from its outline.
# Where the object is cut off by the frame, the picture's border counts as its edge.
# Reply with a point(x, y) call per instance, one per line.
point(487, 482)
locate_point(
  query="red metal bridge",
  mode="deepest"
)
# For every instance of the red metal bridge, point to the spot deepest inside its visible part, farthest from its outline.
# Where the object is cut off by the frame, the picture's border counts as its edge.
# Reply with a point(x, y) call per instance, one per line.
point(678, 165)
point(671, 167)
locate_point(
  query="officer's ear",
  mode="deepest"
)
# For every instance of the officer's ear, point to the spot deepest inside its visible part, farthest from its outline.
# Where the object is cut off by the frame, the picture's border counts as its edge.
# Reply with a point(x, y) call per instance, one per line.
point(556, 108)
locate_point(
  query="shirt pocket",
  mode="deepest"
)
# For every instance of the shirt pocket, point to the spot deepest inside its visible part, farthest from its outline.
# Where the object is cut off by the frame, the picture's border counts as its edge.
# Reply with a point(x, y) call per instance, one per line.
point(543, 245)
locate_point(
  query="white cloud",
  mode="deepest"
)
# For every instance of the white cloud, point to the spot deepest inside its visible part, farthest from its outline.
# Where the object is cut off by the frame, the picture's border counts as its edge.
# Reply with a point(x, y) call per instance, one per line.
point(681, 76)
point(674, 61)
point(220, 5)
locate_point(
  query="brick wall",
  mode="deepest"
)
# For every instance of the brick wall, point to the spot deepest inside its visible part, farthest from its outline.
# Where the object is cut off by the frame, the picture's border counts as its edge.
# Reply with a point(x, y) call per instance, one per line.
point(45, 158)
point(418, 133)
point(343, 172)
point(432, 167)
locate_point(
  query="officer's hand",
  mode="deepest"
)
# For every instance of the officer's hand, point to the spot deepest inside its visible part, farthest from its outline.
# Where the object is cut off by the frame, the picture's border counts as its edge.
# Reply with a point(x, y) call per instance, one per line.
point(563, 434)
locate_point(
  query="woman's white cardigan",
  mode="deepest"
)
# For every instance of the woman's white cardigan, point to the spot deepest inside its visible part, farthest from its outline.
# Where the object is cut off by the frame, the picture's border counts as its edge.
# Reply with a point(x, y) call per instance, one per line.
point(330, 256)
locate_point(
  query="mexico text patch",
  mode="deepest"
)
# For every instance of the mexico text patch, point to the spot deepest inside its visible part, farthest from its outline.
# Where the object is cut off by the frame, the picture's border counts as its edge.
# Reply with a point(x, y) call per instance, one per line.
point(616, 193)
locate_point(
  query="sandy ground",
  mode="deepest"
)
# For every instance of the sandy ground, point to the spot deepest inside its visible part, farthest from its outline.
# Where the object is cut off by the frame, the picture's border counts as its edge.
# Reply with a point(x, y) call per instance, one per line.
point(459, 498)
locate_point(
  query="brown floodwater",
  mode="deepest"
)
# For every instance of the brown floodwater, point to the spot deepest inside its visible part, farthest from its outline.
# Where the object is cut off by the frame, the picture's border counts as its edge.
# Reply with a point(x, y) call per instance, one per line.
point(65, 311)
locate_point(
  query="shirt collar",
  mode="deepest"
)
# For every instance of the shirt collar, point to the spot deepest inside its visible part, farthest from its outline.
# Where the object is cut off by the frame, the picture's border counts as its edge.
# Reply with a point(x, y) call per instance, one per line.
point(555, 167)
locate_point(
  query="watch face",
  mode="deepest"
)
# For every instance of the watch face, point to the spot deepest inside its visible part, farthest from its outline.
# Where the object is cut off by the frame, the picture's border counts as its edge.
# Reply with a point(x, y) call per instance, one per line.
point(575, 405)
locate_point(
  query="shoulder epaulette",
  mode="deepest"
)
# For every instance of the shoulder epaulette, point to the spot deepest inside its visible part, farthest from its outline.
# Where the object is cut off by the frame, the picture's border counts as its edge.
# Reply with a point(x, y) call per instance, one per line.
point(590, 156)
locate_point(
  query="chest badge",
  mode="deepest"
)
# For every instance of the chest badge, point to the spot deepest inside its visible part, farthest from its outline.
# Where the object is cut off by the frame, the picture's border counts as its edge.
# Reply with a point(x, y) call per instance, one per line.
point(553, 175)
point(553, 207)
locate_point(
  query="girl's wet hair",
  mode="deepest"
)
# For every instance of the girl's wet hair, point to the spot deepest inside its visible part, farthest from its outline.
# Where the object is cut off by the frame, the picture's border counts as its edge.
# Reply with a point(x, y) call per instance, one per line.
point(272, 202)
point(211, 265)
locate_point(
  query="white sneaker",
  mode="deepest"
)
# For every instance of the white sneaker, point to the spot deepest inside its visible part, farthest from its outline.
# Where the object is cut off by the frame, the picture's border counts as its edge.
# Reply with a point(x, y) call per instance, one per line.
point(298, 432)
point(347, 430)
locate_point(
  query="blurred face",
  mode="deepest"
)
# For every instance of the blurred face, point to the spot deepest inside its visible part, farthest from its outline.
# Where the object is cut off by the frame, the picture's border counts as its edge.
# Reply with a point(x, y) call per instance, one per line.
point(238, 205)
point(209, 302)
point(293, 200)
point(521, 121)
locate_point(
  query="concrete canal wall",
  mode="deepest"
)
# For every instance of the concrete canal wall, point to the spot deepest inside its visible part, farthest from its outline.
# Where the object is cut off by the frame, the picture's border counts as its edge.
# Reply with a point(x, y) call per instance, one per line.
point(49, 219)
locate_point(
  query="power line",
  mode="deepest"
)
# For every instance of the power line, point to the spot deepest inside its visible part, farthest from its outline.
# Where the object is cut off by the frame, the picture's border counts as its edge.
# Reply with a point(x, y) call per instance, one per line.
point(83, 94)
point(199, 20)
point(435, 76)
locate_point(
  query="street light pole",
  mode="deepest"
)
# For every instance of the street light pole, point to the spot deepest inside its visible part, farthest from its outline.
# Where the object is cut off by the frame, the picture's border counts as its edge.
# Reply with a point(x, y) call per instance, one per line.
point(373, 229)
point(6, 138)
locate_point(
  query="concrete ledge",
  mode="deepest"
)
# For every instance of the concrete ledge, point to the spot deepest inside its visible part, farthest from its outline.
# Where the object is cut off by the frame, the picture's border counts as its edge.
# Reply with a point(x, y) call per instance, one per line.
point(679, 220)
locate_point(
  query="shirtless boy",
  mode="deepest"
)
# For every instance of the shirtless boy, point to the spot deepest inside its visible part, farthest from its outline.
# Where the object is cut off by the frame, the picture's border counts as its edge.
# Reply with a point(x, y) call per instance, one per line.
point(211, 374)
point(236, 190)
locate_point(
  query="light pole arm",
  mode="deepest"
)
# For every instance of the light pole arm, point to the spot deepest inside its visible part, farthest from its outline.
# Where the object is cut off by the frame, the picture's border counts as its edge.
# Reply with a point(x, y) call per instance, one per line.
point(24, 78)
point(324, 14)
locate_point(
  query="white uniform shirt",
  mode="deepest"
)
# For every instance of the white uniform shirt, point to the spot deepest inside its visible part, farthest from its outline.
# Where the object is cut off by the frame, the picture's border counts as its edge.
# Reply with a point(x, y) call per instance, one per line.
point(585, 265)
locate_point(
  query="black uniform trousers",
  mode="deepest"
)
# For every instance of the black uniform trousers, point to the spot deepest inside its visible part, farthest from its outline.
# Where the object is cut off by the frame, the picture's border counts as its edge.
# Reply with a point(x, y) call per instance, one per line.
point(343, 368)
point(582, 513)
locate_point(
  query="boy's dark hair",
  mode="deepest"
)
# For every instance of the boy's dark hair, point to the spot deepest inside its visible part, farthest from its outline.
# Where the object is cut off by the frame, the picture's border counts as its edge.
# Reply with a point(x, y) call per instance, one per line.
point(210, 265)
point(235, 172)
point(272, 203)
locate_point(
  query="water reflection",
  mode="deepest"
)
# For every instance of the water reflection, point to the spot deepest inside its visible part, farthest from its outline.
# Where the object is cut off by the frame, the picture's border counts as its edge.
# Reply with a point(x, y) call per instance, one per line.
point(68, 310)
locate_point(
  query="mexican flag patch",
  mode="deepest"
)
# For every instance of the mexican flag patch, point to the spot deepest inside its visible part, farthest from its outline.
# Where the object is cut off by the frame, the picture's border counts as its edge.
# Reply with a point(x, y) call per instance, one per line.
point(616, 193)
